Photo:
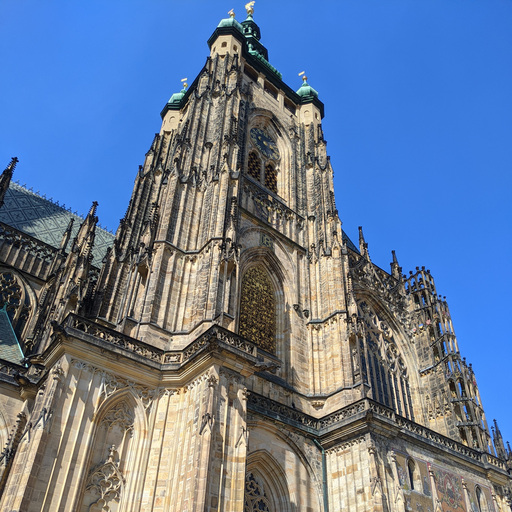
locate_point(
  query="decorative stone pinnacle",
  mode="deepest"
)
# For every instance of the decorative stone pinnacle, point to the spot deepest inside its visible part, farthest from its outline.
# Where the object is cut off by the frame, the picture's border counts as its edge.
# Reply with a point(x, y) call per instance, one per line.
point(250, 8)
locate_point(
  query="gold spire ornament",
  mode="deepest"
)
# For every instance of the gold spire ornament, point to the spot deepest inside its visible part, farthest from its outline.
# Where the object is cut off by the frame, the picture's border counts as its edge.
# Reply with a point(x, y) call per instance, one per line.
point(303, 75)
point(231, 13)
point(250, 8)
point(184, 82)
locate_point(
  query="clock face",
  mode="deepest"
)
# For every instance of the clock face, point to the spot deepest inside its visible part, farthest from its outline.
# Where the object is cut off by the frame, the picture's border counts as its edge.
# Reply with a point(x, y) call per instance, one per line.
point(264, 143)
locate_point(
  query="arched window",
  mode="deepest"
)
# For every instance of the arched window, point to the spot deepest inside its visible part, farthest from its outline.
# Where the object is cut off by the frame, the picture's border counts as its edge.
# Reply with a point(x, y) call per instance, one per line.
point(482, 502)
point(258, 309)
point(254, 166)
point(414, 476)
point(271, 178)
point(256, 499)
point(387, 373)
point(15, 300)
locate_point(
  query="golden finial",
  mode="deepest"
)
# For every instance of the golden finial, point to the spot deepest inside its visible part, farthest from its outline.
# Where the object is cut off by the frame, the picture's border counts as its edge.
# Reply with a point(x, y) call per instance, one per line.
point(303, 75)
point(231, 13)
point(250, 8)
point(184, 82)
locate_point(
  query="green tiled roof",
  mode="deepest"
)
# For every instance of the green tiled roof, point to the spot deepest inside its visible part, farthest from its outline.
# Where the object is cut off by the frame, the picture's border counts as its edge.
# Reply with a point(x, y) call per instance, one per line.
point(45, 220)
point(9, 347)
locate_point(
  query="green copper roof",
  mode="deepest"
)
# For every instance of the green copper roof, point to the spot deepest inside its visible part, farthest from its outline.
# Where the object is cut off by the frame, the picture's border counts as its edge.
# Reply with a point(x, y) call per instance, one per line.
point(175, 100)
point(47, 221)
point(306, 92)
point(10, 349)
point(230, 22)
point(248, 34)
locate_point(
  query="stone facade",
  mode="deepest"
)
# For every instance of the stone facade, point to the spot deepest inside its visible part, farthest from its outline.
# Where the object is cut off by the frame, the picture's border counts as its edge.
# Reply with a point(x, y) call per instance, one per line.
point(235, 351)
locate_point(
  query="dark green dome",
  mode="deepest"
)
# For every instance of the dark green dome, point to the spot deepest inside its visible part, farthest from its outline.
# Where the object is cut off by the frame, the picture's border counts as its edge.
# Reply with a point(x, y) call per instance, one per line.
point(307, 92)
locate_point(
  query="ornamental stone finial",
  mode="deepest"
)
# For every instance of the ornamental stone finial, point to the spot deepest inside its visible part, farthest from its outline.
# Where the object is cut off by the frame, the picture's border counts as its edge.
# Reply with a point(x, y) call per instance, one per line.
point(250, 8)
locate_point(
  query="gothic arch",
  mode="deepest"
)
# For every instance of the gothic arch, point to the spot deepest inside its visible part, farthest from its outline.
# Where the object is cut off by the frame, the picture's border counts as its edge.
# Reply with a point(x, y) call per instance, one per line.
point(267, 481)
point(265, 258)
point(276, 181)
point(20, 300)
point(111, 481)
point(386, 362)
point(299, 485)
point(280, 266)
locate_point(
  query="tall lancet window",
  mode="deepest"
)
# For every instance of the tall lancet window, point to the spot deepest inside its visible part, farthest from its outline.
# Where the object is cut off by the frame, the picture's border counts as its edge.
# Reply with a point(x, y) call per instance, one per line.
point(254, 166)
point(262, 161)
point(258, 309)
point(385, 369)
point(271, 178)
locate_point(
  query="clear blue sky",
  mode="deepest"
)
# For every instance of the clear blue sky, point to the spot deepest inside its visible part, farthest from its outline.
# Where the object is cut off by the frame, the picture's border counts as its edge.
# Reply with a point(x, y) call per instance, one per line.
point(418, 103)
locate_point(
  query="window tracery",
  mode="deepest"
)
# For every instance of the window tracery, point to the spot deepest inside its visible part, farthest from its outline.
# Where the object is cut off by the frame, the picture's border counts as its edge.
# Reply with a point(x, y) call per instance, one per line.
point(256, 499)
point(383, 366)
point(261, 162)
point(258, 309)
point(15, 301)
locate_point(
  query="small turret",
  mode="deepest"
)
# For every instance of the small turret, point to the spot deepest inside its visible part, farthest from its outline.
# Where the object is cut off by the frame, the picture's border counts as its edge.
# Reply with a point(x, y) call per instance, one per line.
point(252, 34)
point(5, 179)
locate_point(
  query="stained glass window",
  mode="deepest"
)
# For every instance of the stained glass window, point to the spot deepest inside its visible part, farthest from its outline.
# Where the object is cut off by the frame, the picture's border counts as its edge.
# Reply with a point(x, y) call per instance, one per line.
point(258, 309)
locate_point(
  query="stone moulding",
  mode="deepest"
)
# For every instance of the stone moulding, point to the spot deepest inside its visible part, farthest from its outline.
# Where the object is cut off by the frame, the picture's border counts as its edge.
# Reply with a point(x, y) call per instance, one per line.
point(371, 411)
point(214, 337)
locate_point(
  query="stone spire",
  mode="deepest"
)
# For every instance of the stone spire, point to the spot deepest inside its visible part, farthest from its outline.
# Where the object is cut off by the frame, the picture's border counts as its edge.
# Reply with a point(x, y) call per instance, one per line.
point(5, 179)
point(363, 246)
point(498, 442)
point(84, 240)
point(396, 269)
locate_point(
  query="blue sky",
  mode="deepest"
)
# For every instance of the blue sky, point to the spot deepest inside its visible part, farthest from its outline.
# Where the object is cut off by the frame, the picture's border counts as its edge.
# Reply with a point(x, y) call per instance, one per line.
point(418, 119)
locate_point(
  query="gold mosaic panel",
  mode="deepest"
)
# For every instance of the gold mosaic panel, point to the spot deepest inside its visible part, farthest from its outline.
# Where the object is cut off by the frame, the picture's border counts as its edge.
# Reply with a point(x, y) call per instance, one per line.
point(258, 309)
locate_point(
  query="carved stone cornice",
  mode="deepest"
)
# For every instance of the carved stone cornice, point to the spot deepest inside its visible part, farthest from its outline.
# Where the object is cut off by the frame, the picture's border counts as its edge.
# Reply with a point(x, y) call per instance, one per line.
point(366, 412)
point(215, 338)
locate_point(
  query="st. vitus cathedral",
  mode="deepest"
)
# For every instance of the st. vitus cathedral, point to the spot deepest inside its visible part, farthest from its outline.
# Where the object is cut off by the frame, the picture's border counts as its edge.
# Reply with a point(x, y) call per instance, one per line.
point(230, 349)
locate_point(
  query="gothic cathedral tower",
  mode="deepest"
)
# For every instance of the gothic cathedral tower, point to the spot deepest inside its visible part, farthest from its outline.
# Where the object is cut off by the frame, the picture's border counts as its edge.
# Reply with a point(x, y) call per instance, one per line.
point(236, 352)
